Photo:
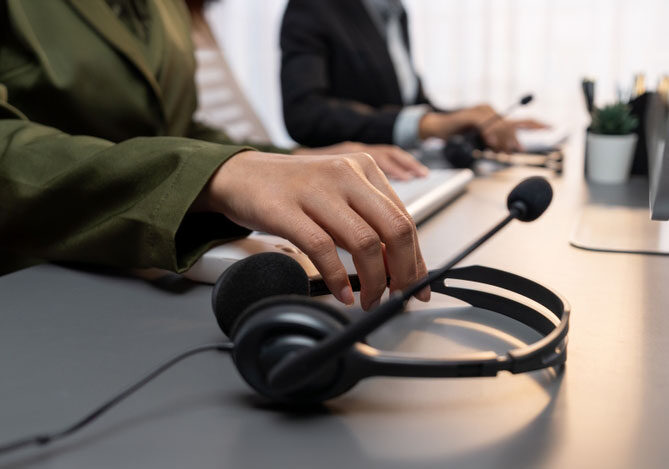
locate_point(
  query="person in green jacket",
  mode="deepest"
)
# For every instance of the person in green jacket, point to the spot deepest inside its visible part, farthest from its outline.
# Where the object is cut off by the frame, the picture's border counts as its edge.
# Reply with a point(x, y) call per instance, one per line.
point(102, 163)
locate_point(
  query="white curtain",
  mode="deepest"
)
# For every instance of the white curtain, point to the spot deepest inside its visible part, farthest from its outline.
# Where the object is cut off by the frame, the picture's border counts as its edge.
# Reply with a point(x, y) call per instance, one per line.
point(473, 51)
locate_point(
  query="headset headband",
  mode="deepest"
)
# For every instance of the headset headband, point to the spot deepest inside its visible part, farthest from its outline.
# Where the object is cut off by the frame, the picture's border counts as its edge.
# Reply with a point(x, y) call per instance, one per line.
point(549, 351)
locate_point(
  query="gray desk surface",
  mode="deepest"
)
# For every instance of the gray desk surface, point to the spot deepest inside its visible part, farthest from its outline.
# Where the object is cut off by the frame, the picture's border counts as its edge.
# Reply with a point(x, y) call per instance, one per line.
point(69, 339)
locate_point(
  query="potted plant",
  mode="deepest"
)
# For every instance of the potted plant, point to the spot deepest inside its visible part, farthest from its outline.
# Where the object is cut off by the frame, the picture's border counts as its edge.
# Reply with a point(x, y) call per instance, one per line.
point(610, 144)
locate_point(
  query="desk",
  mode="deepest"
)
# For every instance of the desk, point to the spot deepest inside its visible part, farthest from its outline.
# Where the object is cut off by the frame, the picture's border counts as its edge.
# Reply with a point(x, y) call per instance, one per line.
point(69, 339)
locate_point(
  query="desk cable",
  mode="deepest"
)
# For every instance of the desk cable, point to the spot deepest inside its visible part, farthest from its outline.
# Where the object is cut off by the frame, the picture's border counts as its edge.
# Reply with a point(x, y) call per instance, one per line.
point(46, 438)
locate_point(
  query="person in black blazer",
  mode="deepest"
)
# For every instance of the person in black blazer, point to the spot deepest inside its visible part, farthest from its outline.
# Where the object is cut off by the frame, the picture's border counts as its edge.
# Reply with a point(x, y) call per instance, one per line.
point(346, 74)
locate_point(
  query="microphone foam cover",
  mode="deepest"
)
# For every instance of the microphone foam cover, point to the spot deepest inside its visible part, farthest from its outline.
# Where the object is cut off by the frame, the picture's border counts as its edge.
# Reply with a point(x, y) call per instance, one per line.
point(535, 195)
point(252, 279)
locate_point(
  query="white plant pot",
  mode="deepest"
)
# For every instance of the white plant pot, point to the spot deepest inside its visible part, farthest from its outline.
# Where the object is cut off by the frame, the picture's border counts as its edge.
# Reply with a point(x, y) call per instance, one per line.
point(609, 157)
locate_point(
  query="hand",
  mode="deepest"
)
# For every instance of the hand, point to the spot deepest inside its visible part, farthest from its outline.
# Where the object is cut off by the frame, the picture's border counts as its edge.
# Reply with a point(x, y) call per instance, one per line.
point(393, 161)
point(318, 202)
point(500, 136)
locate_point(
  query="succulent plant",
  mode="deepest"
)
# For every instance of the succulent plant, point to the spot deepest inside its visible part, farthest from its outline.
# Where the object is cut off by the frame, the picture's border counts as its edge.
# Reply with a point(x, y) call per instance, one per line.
point(614, 119)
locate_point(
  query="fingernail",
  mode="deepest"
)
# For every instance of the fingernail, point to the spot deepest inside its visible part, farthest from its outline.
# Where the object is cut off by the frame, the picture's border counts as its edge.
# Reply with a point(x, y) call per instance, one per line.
point(346, 296)
point(424, 294)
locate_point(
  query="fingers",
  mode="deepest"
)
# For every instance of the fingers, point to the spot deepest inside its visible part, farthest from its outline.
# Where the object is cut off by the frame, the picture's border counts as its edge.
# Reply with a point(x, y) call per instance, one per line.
point(396, 163)
point(356, 215)
point(316, 243)
point(393, 161)
point(391, 168)
point(511, 144)
point(502, 137)
point(353, 233)
point(407, 162)
point(388, 217)
point(529, 124)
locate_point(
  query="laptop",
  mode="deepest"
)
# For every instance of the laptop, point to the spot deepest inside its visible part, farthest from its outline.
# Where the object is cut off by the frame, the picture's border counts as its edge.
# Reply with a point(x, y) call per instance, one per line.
point(422, 197)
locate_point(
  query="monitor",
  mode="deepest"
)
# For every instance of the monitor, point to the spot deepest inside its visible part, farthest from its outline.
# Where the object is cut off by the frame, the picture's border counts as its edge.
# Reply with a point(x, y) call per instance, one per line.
point(657, 134)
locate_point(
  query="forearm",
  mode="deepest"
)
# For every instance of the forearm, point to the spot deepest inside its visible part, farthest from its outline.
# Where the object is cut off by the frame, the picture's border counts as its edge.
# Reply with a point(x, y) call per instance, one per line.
point(443, 125)
point(84, 199)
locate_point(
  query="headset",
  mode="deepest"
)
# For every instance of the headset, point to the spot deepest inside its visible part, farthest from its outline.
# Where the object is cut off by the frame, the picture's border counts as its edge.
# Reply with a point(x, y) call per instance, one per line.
point(295, 350)
point(273, 334)
point(466, 149)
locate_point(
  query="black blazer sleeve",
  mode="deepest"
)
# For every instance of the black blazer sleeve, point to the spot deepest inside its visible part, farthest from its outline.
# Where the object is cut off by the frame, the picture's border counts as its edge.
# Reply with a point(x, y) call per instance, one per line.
point(313, 116)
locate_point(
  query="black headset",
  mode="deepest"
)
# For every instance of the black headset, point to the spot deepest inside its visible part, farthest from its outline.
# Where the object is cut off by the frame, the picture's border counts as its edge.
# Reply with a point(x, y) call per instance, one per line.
point(294, 349)
point(285, 323)
point(465, 150)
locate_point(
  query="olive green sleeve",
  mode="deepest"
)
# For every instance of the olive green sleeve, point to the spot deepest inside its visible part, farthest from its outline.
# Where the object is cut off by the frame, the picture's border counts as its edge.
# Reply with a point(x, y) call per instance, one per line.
point(84, 199)
point(7, 111)
point(204, 132)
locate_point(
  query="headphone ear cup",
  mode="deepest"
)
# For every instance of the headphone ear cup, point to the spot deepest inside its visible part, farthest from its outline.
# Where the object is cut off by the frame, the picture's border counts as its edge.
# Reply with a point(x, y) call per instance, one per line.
point(252, 279)
point(459, 152)
point(304, 304)
point(274, 328)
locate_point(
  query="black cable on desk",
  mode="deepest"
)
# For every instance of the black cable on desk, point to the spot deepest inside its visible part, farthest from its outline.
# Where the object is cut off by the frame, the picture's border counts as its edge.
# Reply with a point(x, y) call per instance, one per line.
point(46, 438)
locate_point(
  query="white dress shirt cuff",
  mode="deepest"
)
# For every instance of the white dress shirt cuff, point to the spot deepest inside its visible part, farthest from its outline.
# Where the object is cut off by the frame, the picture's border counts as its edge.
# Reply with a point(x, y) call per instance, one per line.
point(405, 129)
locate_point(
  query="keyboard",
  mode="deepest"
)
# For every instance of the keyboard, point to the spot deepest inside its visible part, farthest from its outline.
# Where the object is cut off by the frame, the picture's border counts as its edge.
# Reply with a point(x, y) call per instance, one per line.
point(424, 196)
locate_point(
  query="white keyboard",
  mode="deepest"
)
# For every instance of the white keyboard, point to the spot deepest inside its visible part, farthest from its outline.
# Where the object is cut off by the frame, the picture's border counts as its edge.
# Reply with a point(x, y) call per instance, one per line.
point(424, 196)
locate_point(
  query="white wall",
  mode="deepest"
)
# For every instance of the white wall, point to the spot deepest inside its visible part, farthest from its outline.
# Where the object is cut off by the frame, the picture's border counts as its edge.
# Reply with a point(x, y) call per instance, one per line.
point(471, 51)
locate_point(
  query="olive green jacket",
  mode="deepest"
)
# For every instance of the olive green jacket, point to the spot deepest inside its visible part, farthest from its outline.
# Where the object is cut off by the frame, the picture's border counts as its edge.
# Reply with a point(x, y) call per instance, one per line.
point(100, 159)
